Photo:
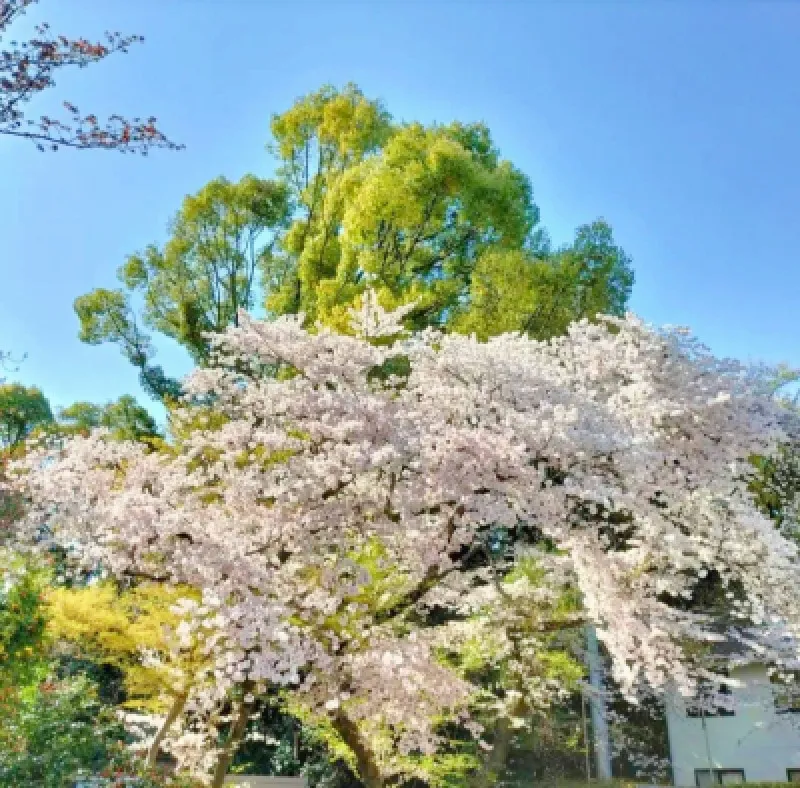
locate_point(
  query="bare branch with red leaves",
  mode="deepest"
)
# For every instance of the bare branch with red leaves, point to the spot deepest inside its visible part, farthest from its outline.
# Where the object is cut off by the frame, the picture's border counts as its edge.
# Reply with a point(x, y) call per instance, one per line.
point(27, 69)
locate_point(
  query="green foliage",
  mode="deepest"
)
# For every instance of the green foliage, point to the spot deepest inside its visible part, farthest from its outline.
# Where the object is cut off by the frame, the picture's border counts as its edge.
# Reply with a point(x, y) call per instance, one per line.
point(776, 487)
point(553, 748)
point(426, 214)
point(505, 652)
point(206, 272)
point(641, 733)
point(107, 316)
point(541, 295)
point(404, 209)
point(126, 419)
point(56, 730)
point(12, 503)
point(325, 131)
point(321, 730)
point(22, 409)
point(278, 744)
point(432, 215)
point(444, 769)
point(22, 623)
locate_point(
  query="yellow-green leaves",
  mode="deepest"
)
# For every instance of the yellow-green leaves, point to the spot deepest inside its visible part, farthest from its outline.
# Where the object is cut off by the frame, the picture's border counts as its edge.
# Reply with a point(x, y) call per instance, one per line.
point(425, 215)
point(104, 316)
point(409, 220)
point(265, 458)
point(540, 295)
point(119, 628)
point(183, 422)
point(317, 142)
point(327, 128)
point(503, 294)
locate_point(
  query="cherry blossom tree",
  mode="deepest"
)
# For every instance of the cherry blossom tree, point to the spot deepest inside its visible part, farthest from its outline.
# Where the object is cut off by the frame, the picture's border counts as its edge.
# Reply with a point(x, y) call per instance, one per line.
point(326, 492)
point(29, 68)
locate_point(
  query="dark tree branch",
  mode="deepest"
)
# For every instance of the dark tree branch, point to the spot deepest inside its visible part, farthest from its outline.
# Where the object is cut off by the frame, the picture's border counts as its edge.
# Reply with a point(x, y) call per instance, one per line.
point(28, 68)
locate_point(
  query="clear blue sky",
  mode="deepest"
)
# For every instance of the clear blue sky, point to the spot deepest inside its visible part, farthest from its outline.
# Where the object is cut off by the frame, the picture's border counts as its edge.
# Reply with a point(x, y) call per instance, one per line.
point(676, 121)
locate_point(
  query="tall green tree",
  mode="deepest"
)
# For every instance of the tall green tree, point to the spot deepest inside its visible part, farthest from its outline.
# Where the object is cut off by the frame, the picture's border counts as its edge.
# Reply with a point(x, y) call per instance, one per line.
point(22, 409)
point(429, 214)
point(315, 142)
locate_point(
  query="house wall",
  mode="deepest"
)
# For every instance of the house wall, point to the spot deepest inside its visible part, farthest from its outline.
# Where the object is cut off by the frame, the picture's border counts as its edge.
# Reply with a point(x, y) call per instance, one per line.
point(756, 739)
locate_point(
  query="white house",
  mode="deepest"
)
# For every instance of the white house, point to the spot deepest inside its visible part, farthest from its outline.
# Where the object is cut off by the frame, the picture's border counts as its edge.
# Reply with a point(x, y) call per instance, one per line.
point(756, 740)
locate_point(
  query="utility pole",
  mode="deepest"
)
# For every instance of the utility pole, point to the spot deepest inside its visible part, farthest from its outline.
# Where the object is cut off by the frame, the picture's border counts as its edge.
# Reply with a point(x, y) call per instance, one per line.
point(586, 748)
point(597, 704)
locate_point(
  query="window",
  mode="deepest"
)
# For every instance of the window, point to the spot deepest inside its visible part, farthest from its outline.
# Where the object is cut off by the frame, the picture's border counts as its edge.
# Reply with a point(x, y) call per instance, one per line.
point(793, 775)
point(721, 694)
point(731, 776)
point(704, 778)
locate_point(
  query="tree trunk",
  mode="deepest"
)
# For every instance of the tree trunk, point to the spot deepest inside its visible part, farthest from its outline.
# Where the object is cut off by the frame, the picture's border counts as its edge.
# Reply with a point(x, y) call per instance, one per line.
point(237, 732)
point(172, 715)
point(368, 769)
point(496, 760)
point(501, 748)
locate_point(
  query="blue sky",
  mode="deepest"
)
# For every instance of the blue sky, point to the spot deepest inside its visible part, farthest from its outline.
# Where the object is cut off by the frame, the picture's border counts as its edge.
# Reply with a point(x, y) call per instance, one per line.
point(676, 121)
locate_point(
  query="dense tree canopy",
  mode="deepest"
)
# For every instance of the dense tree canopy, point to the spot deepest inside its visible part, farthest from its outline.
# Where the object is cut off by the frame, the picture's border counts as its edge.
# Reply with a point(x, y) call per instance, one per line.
point(432, 215)
point(429, 215)
point(541, 295)
point(408, 219)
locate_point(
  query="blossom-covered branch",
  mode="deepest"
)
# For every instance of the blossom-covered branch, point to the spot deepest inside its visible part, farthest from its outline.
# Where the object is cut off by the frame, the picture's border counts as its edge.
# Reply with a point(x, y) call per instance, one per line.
point(316, 507)
point(29, 68)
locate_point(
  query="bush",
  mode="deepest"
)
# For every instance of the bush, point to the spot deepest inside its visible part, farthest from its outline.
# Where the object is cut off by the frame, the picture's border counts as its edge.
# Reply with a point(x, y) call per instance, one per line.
point(54, 731)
